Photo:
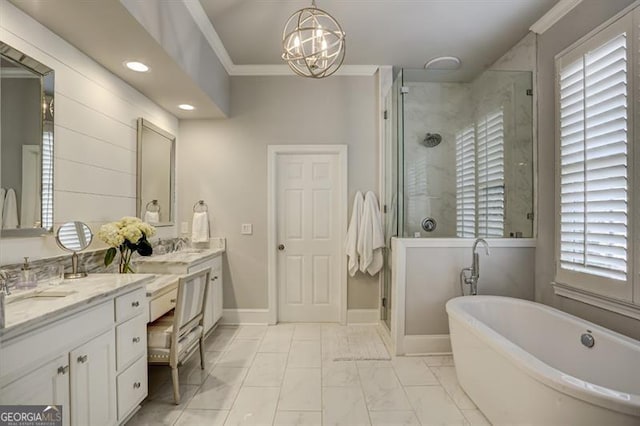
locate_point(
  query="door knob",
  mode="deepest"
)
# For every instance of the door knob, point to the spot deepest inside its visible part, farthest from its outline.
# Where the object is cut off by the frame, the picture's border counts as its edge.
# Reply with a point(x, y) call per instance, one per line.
point(281, 247)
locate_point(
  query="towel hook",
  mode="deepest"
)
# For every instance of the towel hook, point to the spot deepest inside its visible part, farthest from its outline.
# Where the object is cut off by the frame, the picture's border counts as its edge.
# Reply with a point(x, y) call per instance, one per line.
point(200, 207)
point(153, 204)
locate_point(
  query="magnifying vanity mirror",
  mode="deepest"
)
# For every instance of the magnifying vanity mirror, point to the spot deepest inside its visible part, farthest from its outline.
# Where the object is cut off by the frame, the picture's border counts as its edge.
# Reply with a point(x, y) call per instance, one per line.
point(26, 96)
point(74, 237)
point(156, 160)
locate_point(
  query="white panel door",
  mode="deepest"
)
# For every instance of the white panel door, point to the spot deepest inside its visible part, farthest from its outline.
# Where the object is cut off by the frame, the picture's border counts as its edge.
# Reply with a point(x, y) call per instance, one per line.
point(309, 240)
point(93, 382)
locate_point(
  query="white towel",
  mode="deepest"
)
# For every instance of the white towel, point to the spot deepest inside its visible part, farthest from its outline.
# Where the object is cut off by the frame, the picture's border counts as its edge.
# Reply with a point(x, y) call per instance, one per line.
point(351, 242)
point(10, 210)
point(3, 193)
point(152, 217)
point(200, 227)
point(371, 236)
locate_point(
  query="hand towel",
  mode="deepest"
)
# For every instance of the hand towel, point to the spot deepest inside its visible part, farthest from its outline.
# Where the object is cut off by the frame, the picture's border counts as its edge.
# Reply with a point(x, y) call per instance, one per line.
point(10, 210)
point(200, 227)
point(351, 242)
point(3, 193)
point(371, 236)
point(152, 217)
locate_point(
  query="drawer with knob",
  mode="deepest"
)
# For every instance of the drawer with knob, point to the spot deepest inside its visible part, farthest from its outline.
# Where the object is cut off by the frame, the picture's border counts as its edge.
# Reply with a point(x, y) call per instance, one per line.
point(130, 304)
point(132, 387)
point(131, 341)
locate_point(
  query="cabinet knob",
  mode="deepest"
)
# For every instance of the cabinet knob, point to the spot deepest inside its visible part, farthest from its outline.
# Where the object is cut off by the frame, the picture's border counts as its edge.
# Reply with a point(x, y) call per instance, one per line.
point(214, 278)
point(63, 369)
point(82, 359)
point(281, 247)
point(135, 304)
point(136, 385)
point(136, 340)
point(172, 301)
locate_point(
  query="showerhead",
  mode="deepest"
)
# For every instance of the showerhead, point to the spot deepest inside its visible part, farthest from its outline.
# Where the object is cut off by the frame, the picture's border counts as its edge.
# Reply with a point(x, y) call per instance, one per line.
point(431, 140)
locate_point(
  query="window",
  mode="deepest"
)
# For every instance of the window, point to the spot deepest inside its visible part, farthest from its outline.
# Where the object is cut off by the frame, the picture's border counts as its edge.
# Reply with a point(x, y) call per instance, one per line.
point(595, 131)
point(466, 183)
point(490, 153)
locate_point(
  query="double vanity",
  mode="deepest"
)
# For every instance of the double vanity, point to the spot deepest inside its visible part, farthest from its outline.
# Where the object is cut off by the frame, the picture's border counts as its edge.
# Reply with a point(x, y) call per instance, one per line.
point(83, 344)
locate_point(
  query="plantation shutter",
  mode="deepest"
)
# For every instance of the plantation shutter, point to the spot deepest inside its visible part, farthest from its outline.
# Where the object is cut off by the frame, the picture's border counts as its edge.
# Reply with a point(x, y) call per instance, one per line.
point(465, 183)
point(593, 161)
point(490, 154)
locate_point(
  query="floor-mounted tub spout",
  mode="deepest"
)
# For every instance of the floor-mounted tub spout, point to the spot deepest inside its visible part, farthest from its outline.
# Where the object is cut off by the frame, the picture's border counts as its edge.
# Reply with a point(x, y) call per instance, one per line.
point(474, 271)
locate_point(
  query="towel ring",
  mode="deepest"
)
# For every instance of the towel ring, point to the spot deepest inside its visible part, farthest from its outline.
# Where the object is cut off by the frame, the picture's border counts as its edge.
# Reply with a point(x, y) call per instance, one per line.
point(153, 206)
point(200, 207)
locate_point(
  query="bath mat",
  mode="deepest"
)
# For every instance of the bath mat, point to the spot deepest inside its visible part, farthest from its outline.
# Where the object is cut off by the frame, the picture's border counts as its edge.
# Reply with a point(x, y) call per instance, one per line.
point(358, 343)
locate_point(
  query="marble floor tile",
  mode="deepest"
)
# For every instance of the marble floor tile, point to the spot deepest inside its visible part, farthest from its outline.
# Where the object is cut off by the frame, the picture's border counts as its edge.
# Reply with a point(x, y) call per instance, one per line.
point(476, 418)
point(305, 353)
point(276, 342)
point(449, 381)
point(393, 418)
point(433, 406)
point(340, 373)
point(382, 389)
point(219, 340)
point(374, 364)
point(254, 406)
point(298, 418)
point(165, 395)
point(438, 360)
point(154, 413)
point(219, 390)
point(412, 371)
point(344, 406)
point(301, 390)
point(239, 353)
point(190, 372)
point(267, 370)
point(251, 332)
point(202, 418)
point(307, 332)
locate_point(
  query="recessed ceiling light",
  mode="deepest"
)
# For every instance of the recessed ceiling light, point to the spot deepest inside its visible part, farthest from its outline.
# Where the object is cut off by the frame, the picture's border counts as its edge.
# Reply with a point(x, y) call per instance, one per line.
point(136, 66)
point(186, 107)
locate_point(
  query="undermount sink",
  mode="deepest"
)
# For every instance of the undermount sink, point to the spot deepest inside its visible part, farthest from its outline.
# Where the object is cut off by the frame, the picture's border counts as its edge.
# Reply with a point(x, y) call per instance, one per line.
point(191, 251)
point(44, 295)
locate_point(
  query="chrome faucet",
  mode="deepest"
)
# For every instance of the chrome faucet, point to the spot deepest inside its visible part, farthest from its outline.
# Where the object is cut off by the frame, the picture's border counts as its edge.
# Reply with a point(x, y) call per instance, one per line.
point(4, 283)
point(181, 244)
point(474, 271)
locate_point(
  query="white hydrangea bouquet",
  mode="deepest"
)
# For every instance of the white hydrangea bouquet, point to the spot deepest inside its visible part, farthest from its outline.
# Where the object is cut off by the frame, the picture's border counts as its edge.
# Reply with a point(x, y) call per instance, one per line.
point(128, 235)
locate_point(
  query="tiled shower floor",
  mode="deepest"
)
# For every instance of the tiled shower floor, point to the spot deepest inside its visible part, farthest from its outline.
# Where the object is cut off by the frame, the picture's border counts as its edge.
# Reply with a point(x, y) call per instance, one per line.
point(284, 375)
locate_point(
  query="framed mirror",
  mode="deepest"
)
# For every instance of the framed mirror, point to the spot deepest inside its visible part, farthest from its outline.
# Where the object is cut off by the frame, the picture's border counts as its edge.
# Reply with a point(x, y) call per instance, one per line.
point(156, 174)
point(26, 140)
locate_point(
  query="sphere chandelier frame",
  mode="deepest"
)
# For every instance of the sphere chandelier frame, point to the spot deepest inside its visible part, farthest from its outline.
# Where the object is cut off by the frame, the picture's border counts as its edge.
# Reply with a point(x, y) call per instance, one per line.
point(313, 43)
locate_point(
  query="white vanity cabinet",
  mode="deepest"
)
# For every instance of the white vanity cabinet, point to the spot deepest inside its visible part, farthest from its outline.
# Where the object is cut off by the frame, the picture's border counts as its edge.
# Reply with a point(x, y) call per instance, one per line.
point(90, 358)
point(213, 310)
point(49, 383)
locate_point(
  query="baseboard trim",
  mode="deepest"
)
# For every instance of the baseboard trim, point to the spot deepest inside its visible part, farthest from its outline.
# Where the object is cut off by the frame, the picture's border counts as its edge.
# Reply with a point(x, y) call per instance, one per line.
point(363, 316)
point(245, 316)
point(436, 344)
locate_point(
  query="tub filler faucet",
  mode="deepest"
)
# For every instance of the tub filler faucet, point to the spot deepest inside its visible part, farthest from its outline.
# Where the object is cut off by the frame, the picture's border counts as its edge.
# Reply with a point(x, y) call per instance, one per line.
point(470, 276)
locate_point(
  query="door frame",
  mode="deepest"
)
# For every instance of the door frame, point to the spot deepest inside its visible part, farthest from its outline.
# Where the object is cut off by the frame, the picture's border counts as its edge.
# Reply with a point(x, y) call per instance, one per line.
point(273, 151)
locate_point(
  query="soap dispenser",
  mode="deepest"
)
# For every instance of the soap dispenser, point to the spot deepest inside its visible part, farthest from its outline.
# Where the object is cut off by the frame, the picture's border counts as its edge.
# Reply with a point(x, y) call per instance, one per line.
point(27, 276)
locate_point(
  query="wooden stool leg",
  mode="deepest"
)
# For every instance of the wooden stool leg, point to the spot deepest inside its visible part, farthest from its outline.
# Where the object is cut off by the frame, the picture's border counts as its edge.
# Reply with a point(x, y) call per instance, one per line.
point(176, 385)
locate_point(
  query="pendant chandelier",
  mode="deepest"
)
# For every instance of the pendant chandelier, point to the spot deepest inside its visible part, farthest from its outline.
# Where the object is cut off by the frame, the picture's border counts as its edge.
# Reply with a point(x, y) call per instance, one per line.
point(313, 43)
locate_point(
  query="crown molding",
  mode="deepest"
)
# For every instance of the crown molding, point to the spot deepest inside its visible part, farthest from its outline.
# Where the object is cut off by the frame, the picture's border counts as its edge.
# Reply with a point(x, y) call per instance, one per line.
point(206, 27)
point(554, 15)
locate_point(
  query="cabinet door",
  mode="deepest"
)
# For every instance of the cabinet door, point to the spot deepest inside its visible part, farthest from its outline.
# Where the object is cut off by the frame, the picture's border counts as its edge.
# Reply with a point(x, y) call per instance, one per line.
point(47, 385)
point(93, 382)
point(217, 302)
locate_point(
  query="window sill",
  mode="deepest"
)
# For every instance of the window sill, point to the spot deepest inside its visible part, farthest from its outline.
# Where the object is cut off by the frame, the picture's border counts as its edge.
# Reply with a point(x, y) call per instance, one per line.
point(623, 308)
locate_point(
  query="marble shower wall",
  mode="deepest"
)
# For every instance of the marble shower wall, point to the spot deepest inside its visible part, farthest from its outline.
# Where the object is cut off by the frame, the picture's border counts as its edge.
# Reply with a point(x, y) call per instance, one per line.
point(430, 173)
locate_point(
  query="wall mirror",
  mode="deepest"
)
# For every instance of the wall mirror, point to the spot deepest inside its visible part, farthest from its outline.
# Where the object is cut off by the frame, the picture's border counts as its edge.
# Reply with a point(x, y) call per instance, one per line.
point(156, 174)
point(26, 141)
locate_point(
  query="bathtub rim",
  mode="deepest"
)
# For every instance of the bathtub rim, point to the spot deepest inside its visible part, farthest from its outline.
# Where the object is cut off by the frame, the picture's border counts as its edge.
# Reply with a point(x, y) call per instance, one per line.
point(536, 368)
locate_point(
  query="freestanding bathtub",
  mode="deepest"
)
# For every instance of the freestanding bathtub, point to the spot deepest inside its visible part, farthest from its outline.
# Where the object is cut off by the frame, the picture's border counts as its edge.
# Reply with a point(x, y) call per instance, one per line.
point(523, 363)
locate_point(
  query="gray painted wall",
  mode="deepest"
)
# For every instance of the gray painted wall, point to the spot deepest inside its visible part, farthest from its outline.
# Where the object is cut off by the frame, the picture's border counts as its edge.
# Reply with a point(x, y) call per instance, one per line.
point(585, 17)
point(225, 163)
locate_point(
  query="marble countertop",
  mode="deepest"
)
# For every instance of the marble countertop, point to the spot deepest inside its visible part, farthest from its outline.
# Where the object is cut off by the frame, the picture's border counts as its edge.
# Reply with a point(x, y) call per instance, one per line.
point(27, 309)
point(187, 256)
point(161, 284)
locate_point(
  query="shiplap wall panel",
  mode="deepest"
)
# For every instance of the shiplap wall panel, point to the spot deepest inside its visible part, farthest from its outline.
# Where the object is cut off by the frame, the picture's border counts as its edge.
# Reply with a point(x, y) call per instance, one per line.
point(97, 153)
point(95, 134)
